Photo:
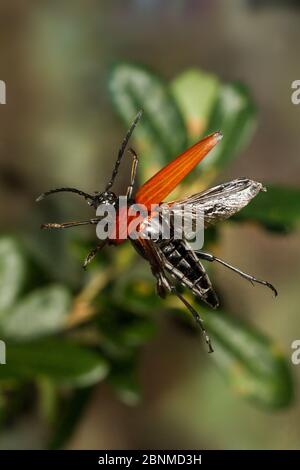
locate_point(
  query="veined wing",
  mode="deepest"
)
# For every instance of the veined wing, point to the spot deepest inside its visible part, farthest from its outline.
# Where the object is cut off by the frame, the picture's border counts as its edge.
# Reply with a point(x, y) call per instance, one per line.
point(219, 202)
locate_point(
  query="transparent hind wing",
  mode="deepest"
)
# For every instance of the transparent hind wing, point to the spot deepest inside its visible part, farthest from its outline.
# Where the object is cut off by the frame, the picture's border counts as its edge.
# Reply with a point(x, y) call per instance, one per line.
point(218, 203)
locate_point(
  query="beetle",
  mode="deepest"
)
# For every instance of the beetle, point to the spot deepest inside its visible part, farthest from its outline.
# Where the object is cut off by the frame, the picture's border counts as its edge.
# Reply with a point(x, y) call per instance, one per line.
point(172, 260)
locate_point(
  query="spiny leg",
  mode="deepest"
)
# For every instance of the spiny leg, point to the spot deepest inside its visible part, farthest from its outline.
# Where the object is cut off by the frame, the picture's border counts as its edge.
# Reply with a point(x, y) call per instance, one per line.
point(60, 190)
point(70, 224)
point(133, 173)
point(151, 253)
point(252, 279)
point(163, 286)
point(93, 253)
point(196, 316)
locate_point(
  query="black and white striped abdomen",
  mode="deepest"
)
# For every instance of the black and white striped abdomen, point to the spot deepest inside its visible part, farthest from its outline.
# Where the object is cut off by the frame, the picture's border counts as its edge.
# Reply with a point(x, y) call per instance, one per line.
point(183, 265)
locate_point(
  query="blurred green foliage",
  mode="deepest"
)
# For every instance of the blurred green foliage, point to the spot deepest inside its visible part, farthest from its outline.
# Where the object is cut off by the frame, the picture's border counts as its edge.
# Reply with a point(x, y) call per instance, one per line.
point(161, 134)
point(63, 339)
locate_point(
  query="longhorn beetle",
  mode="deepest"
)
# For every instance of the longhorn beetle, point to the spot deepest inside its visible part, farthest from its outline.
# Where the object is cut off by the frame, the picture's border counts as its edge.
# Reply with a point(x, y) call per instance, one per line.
point(173, 259)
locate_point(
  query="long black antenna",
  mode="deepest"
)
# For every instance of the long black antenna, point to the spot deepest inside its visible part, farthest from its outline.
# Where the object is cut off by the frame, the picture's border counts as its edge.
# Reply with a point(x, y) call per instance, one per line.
point(122, 149)
point(68, 190)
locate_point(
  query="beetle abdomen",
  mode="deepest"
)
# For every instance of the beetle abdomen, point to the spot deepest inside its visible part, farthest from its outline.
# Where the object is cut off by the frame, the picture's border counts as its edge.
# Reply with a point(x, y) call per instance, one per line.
point(183, 265)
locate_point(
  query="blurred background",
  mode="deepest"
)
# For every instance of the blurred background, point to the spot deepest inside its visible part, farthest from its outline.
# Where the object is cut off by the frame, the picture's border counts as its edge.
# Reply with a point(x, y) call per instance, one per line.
point(60, 127)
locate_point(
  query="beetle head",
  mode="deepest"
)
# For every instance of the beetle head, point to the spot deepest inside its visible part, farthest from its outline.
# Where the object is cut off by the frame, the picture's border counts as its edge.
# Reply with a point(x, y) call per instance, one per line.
point(106, 197)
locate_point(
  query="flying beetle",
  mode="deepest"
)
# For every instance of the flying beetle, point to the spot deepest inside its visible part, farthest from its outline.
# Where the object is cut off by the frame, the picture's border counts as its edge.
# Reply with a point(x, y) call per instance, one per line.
point(173, 261)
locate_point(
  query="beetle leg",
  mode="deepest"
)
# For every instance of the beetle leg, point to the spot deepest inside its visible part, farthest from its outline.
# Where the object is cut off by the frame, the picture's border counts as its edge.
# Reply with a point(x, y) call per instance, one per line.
point(196, 316)
point(133, 173)
point(252, 279)
point(70, 224)
point(162, 284)
point(93, 253)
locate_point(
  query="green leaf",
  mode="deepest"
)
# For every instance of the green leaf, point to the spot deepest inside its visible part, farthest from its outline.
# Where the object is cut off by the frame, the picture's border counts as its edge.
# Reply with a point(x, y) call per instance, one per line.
point(234, 115)
point(195, 92)
point(277, 209)
point(12, 272)
point(48, 398)
point(136, 290)
point(51, 254)
point(42, 312)
point(13, 401)
point(122, 331)
point(123, 379)
point(161, 133)
point(253, 365)
point(58, 359)
point(69, 416)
